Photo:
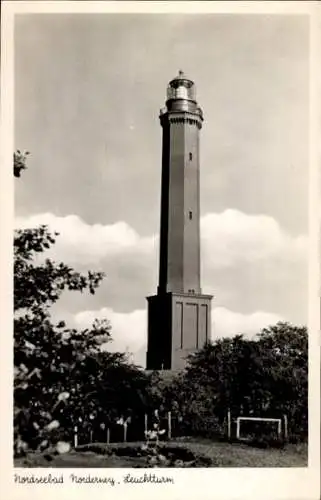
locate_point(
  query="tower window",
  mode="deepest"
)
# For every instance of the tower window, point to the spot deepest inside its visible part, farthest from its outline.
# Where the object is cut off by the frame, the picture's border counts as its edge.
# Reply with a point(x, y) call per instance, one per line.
point(190, 214)
point(190, 156)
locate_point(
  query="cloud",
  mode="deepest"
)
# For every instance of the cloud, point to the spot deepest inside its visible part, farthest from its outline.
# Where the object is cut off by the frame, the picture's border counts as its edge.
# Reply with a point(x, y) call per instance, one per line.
point(87, 243)
point(249, 262)
point(233, 237)
point(226, 323)
point(228, 238)
point(129, 330)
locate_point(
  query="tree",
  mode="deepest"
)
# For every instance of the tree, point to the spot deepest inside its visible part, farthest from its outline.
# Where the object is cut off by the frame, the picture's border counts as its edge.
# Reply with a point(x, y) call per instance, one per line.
point(19, 162)
point(61, 375)
point(284, 354)
point(265, 376)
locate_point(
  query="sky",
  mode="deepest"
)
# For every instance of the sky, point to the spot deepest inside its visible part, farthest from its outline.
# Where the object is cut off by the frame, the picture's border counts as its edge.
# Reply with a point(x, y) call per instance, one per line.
point(88, 90)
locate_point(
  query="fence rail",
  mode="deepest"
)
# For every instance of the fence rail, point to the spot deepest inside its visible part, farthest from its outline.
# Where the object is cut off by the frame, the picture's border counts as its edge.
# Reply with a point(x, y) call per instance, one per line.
point(135, 429)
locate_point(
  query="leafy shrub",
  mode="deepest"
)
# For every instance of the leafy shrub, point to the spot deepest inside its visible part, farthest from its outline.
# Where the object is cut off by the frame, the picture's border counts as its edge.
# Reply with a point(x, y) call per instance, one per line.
point(162, 455)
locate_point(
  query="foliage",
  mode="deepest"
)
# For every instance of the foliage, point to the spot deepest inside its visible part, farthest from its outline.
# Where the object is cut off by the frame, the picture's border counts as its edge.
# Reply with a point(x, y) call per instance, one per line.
point(62, 377)
point(266, 376)
point(161, 454)
point(19, 162)
point(39, 286)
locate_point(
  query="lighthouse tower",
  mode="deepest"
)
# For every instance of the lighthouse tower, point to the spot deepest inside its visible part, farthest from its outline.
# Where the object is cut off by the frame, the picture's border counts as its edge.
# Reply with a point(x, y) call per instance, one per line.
point(179, 316)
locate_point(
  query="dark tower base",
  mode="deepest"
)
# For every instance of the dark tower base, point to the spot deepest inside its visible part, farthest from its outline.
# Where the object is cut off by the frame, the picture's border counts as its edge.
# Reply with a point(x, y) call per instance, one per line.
point(178, 325)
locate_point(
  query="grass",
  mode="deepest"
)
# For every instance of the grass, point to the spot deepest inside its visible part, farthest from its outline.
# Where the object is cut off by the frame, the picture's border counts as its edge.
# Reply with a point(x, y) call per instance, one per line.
point(222, 455)
point(242, 455)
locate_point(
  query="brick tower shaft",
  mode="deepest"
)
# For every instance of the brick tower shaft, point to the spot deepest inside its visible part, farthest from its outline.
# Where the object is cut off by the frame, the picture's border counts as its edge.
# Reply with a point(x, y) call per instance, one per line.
point(179, 315)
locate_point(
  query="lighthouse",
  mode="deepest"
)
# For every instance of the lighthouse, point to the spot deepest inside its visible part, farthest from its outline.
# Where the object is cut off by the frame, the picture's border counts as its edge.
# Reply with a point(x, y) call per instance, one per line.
point(179, 315)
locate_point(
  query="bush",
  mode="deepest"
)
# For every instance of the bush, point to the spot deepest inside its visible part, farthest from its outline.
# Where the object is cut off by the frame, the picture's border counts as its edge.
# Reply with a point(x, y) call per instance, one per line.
point(265, 376)
point(162, 455)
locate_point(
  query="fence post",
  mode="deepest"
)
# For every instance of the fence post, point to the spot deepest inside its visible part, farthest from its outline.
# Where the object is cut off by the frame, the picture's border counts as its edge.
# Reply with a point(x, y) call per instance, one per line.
point(146, 420)
point(108, 435)
point(229, 424)
point(91, 436)
point(169, 417)
point(75, 436)
point(237, 428)
point(125, 432)
point(285, 427)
